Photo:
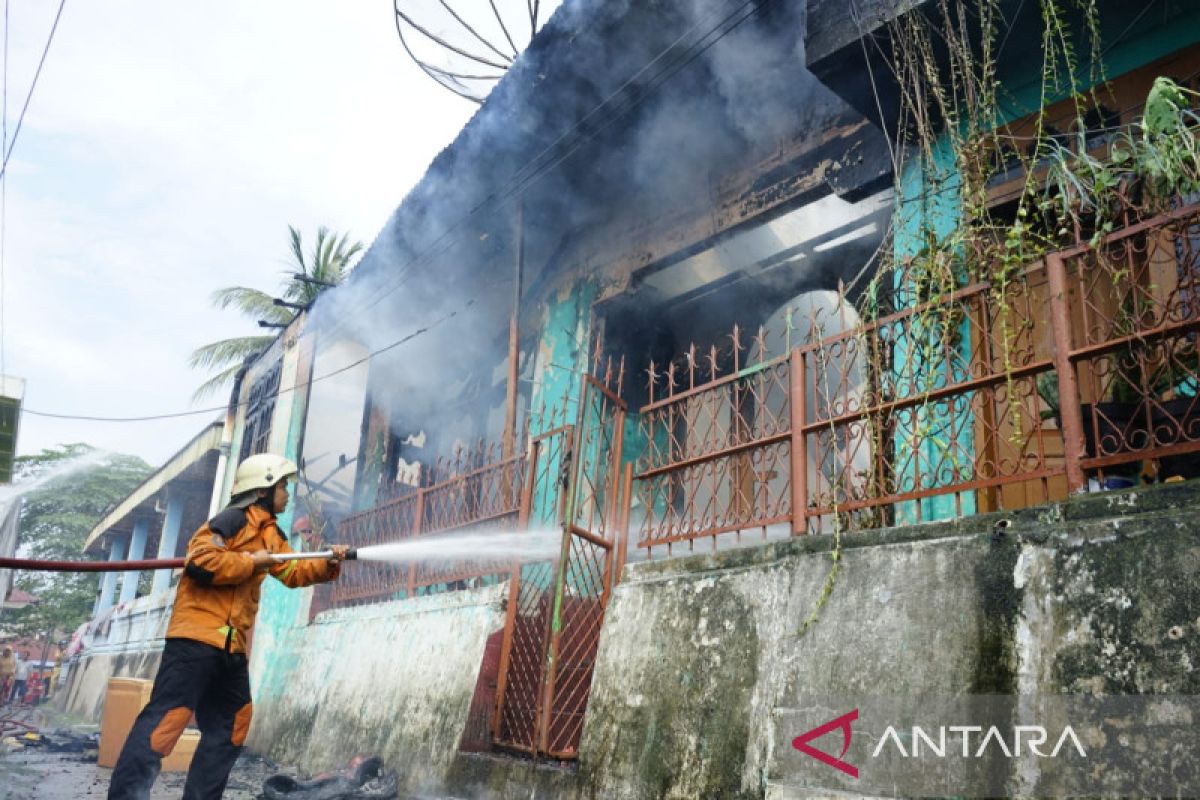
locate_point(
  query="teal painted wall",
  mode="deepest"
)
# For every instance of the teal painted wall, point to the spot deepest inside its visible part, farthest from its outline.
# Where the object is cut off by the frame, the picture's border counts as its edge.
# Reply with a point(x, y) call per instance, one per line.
point(280, 609)
point(934, 446)
point(563, 349)
point(561, 360)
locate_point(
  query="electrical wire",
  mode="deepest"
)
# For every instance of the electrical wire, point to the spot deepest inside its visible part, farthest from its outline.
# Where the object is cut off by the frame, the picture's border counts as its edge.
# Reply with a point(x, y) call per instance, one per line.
point(33, 85)
point(294, 387)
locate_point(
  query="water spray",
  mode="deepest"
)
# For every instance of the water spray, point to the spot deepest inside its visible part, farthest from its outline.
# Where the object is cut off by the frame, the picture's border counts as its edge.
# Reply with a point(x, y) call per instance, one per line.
point(486, 545)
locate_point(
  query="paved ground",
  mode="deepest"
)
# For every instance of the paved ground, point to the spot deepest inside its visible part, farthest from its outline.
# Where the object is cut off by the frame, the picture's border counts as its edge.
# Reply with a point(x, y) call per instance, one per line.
point(33, 772)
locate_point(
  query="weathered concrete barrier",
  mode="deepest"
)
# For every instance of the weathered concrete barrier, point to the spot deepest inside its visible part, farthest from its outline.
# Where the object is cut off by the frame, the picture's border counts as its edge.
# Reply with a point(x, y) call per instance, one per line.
point(394, 679)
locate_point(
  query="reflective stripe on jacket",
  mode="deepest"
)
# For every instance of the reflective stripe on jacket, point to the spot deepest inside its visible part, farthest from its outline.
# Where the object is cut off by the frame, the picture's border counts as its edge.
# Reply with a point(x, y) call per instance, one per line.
point(217, 598)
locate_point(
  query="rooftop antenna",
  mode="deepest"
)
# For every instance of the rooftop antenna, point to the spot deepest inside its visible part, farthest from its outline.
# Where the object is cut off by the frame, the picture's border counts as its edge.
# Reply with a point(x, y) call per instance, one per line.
point(468, 45)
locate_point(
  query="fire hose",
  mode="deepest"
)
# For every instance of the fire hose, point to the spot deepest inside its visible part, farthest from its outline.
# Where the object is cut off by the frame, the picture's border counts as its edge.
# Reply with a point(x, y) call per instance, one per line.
point(152, 563)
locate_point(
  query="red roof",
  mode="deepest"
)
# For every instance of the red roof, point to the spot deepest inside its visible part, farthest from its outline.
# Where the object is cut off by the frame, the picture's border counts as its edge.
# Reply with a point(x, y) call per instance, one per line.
point(20, 596)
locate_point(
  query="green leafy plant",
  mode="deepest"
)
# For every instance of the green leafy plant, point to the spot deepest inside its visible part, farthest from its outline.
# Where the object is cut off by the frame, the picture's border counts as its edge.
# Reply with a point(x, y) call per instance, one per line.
point(1150, 167)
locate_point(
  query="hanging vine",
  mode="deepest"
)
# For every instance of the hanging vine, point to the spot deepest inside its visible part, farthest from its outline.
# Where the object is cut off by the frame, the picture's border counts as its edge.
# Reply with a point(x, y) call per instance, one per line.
point(950, 132)
point(951, 135)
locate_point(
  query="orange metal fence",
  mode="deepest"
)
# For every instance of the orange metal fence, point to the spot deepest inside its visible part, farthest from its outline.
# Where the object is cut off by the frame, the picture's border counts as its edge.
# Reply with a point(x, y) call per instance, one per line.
point(1081, 369)
point(478, 490)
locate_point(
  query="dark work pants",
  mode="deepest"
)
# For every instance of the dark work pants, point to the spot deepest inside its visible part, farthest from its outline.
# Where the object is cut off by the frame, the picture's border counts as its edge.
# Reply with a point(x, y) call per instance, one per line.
point(192, 677)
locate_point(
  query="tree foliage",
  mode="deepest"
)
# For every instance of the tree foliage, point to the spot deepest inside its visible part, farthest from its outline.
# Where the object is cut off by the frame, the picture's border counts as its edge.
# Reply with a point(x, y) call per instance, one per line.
point(305, 277)
point(70, 488)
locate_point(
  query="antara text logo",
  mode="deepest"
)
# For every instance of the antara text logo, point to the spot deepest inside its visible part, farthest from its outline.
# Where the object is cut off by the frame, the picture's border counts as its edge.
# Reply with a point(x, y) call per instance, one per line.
point(971, 741)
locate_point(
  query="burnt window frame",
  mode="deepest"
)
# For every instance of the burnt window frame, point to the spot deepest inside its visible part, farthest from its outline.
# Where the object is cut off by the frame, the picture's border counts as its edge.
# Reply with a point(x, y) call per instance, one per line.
point(260, 408)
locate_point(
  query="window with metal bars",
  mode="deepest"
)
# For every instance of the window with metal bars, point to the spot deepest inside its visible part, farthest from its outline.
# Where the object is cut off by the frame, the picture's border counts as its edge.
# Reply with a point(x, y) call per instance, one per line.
point(259, 409)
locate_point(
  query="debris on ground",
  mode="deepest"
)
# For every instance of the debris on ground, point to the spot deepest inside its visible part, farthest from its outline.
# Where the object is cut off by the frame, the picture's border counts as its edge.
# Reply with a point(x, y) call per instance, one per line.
point(16, 720)
point(57, 742)
point(362, 779)
point(51, 756)
point(60, 764)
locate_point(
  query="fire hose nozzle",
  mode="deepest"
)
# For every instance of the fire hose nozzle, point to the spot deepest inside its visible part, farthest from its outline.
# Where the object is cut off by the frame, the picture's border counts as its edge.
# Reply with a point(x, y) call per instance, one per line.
point(351, 555)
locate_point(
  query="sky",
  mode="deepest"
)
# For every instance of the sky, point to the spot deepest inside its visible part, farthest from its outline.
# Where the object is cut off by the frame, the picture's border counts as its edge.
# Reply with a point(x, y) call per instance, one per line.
point(166, 149)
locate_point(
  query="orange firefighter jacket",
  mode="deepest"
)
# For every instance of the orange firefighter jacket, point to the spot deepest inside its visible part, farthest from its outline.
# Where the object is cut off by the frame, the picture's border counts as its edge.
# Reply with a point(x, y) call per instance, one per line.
point(217, 597)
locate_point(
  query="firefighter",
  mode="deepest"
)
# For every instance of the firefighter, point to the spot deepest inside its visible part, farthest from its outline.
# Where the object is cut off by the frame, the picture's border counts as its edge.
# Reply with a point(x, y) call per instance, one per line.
point(203, 669)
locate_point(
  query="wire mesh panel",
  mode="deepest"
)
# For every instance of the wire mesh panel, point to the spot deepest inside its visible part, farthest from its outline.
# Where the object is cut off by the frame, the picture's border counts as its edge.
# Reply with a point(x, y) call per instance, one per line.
point(519, 704)
point(556, 610)
point(575, 639)
point(523, 663)
point(586, 568)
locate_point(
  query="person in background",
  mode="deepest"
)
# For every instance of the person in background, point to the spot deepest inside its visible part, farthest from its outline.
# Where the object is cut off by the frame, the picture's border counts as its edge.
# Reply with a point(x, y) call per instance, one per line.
point(203, 668)
point(21, 679)
point(33, 686)
point(303, 528)
point(8, 672)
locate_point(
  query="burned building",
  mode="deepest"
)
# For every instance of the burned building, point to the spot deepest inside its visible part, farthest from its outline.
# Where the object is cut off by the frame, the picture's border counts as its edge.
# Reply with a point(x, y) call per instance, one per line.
point(702, 275)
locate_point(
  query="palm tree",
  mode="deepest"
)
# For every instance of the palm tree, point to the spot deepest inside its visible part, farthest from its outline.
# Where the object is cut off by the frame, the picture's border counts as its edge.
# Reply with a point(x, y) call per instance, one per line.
point(306, 277)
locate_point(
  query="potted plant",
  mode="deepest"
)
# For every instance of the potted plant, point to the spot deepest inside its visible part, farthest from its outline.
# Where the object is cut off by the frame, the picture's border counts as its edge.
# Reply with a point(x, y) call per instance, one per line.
point(1110, 427)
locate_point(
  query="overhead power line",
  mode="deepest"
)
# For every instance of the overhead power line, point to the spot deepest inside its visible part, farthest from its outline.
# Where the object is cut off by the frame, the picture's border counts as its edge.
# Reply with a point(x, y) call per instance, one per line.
point(33, 85)
point(214, 409)
point(3, 192)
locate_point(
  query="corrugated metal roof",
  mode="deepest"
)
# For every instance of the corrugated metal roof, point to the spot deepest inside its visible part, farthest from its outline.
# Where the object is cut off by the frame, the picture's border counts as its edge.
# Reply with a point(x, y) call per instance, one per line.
point(207, 440)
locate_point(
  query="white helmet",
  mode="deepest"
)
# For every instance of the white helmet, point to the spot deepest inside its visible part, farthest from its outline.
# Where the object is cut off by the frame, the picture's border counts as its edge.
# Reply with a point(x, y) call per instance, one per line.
point(261, 472)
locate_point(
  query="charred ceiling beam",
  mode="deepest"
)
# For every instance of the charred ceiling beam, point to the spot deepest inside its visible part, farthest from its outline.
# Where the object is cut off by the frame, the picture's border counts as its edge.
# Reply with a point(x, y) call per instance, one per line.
point(850, 160)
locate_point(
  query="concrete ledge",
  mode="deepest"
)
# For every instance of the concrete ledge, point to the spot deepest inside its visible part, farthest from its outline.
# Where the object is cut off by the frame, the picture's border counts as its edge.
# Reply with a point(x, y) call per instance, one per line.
point(429, 604)
point(1038, 524)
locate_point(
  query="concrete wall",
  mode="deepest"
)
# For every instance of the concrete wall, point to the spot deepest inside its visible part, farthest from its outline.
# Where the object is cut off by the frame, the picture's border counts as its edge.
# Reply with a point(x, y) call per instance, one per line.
point(394, 679)
point(706, 669)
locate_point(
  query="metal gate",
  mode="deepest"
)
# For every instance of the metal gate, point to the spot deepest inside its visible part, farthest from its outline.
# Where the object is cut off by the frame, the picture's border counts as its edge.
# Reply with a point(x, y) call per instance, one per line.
point(556, 609)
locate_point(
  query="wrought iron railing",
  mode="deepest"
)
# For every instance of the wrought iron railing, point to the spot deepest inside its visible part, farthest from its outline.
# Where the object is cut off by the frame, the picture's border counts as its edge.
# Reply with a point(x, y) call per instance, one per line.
point(717, 437)
point(1079, 370)
point(478, 489)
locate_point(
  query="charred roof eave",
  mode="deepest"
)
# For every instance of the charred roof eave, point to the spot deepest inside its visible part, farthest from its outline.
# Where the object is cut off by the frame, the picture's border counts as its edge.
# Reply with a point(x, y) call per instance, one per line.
point(850, 161)
point(848, 45)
